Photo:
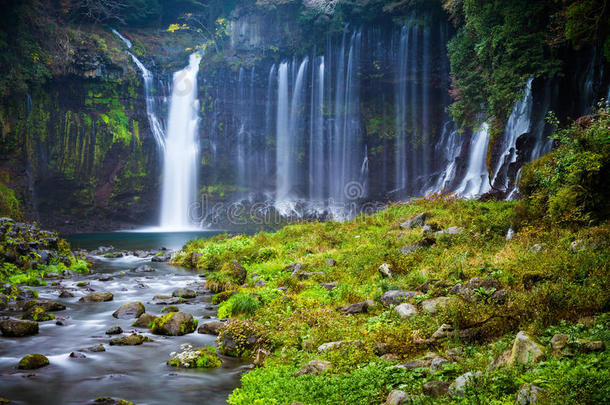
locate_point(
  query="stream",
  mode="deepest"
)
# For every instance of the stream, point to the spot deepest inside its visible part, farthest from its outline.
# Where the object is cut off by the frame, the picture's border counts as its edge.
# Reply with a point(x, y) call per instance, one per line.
point(135, 373)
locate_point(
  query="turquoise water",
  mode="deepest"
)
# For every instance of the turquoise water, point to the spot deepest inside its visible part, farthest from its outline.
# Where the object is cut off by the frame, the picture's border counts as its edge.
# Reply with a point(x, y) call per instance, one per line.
point(137, 240)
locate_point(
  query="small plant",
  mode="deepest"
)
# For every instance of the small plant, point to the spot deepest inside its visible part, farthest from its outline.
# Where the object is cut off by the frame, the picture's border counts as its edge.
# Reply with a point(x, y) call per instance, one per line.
point(194, 358)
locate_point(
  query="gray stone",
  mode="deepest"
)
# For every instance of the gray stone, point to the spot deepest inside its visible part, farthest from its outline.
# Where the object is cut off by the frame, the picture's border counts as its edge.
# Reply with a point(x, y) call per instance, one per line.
point(453, 230)
point(115, 330)
point(397, 397)
point(413, 364)
point(315, 367)
point(144, 320)
point(97, 297)
point(415, 222)
point(131, 340)
point(405, 310)
point(47, 305)
point(174, 324)
point(559, 342)
point(525, 350)
point(386, 270)
point(17, 328)
point(395, 297)
point(211, 328)
point(330, 262)
point(358, 308)
point(329, 286)
point(437, 363)
point(184, 293)
point(129, 310)
point(458, 387)
point(145, 268)
point(334, 345)
point(436, 389)
point(530, 394)
point(432, 306)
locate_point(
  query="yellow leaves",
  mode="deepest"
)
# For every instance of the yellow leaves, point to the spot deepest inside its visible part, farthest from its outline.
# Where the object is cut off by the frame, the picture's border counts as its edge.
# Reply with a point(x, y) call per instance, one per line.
point(177, 27)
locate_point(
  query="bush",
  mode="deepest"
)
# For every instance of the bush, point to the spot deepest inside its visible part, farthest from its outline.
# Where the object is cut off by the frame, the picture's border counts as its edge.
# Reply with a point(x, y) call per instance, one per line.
point(238, 304)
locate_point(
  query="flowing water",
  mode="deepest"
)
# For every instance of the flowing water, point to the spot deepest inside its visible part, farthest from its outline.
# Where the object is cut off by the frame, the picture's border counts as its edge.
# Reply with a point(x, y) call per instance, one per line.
point(135, 373)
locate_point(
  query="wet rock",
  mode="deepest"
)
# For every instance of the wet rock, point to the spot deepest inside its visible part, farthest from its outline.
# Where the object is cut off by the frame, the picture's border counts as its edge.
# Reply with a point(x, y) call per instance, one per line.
point(114, 330)
point(434, 305)
point(170, 308)
point(37, 314)
point(330, 262)
point(65, 294)
point(113, 255)
point(358, 308)
point(145, 268)
point(329, 286)
point(17, 328)
point(211, 328)
point(405, 310)
point(525, 350)
point(144, 321)
point(385, 270)
point(395, 297)
point(397, 397)
point(33, 362)
point(436, 389)
point(161, 257)
point(315, 367)
point(415, 222)
point(105, 278)
point(530, 394)
point(77, 355)
point(167, 300)
point(458, 387)
point(97, 349)
point(47, 305)
point(184, 293)
point(131, 340)
point(97, 297)
point(174, 324)
point(129, 310)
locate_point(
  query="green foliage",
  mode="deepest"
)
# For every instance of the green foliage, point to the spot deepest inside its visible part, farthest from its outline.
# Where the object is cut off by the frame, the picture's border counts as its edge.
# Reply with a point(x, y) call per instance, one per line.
point(570, 185)
point(9, 204)
point(195, 358)
point(238, 304)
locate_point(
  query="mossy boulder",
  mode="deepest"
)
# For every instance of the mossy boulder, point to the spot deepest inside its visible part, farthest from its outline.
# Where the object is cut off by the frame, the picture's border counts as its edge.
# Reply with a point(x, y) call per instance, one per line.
point(17, 328)
point(170, 308)
point(174, 324)
point(526, 350)
point(196, 358)
point(184, 293)
point(47, 305)
point(32, 362)
point(129, 310)
point(144, 321)
point(97, 297)
point(131, 340)
point(236, 271)
point(37, 314)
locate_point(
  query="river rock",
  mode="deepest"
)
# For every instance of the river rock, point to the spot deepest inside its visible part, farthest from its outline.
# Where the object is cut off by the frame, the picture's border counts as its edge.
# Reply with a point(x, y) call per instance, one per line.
point(436, 389)
point(397, 397)
point(174, 324)
point(167, 300)
point(184, 293)
point(17, 328)
point(395, 297)
point(47, 305)
point(129, 310)
point(432, 306)
point(415, 222)
point(114, 330)
point(97, 297)
point(315, 367)
point(525, 350)
point(97, 349)
point(211, 328)
point(33, 361)
point(37, 314)
point(77, 355)
point(145, 268)
point(405, 310)
point(65, 294)
point(170, 308)
point(161, 257)
point(144, 320)
point(131, 340)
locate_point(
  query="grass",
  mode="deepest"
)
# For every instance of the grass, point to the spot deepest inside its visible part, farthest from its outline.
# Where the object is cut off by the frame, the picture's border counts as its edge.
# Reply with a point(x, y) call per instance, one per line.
point(293, 316)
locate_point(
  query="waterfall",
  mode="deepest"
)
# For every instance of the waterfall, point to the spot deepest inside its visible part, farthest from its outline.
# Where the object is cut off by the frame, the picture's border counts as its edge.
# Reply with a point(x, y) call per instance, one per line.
point(181, 149)
point(450, 148)
point(316, 136)
point(519, 123)
point(401, 174)
point(282, 135)
point(476, 179)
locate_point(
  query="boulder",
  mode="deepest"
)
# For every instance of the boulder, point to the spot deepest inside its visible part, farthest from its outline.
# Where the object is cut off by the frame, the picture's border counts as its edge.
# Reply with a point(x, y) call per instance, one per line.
point(395, 297)
point(236, 270)
point(397, 397)
point(558, 343)
point(166, 300)
point(413, 364)
point(294, 267)
point(131, 340)
point(358, 308)
point(144, 321)
point(97, 349)
point(37, 314)
point(211, 328)
point(453, 230)
point(114, 330)
point(47, 305)
point(77, 355)
point(32, 362)
point(432, 306)
point(436, 389)
point(145, 268)
point(16, 328)
point(330, 262)
point(184, 293)
point(525, 350)
point(65, 294)
point(415, 222)
point(315, 367)
point(329, 286)
point(437, 363)
point(405, 310)
point(589, 346)
point(306, 275)
point(530, 394)
point(580, 245)
point(170, 308)
point(97, 297)
point(129, 310)
point(458, 387)
point(161, 257)
point(174, 324)
point(335, 345)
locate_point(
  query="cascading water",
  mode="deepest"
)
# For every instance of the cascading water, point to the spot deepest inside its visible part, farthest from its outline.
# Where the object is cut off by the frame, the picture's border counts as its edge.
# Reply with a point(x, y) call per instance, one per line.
point(180, 160)
point(316, 137)
point(476, 180)
point(519, 123)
